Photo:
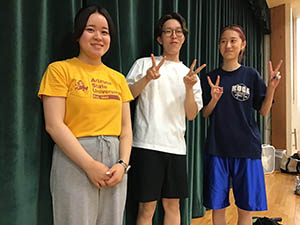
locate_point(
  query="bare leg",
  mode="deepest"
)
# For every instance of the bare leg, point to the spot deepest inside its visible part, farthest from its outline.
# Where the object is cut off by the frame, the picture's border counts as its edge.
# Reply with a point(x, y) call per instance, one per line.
point(219, 217)
point(244, 217)
point(172, 211)
point(145, 214)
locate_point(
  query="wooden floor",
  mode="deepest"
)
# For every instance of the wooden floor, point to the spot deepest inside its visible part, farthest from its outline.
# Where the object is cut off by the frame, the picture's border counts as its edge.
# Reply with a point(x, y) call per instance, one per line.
point(282, 202)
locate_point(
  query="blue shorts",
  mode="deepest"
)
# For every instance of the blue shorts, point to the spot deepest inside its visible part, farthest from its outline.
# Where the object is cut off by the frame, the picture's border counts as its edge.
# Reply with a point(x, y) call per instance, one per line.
point(247, 178)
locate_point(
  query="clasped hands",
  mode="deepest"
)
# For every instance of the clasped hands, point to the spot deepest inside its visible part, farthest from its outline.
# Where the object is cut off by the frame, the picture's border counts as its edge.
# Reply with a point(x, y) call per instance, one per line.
point(102, 176)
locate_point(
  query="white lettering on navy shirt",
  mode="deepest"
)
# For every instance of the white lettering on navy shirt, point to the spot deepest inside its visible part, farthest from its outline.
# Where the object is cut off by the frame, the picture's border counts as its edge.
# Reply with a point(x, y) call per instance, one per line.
point(240, 92)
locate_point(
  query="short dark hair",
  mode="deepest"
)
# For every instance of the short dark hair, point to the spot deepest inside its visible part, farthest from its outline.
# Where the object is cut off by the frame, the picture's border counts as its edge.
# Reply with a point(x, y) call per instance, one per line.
point(159, 26)
point(82, 17)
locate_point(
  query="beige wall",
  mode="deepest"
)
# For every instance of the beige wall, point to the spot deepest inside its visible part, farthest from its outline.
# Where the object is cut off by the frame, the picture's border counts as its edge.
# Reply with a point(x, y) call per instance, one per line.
point(286, 110)
point(296, 85)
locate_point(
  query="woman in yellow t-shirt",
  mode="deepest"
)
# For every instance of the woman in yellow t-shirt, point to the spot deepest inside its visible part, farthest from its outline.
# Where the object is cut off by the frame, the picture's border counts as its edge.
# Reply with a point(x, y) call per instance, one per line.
point(87, 114)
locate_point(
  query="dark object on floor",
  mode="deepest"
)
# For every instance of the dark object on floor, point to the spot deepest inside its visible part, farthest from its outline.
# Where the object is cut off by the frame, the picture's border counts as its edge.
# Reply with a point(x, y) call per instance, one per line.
point(289, 164)
point(296, 155)
point(266, 221)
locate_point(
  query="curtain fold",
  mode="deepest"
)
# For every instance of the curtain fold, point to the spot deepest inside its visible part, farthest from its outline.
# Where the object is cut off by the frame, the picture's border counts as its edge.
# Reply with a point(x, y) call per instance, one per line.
point(37, 33)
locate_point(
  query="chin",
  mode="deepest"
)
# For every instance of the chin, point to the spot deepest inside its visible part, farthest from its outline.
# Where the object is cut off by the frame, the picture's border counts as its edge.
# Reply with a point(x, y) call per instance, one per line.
point(99, 54)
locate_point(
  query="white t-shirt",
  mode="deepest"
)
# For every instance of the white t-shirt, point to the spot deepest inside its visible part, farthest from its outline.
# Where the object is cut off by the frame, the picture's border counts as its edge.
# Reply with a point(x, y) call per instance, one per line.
point(159, 122)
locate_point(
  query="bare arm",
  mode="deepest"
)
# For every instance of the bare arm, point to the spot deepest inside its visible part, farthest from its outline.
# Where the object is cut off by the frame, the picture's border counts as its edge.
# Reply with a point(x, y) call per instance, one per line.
point(267, 103)
point(209, 108)
point(152, 74)
point(190, 106)
point(274, 80)
point(118, 170)
point(54, 111)
point(138, 86)
point(216, 93)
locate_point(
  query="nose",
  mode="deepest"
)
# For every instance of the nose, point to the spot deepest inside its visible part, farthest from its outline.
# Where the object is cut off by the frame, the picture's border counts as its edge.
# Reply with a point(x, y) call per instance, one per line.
point(97, 35)
point(228, 44)
point(173, 34)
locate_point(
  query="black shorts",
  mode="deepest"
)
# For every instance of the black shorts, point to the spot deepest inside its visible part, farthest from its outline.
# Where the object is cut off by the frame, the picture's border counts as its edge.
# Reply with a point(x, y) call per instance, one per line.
point(155, 175)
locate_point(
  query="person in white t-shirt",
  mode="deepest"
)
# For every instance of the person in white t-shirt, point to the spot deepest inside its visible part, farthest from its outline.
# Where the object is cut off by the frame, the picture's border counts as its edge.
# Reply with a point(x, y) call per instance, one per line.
point(167, 92)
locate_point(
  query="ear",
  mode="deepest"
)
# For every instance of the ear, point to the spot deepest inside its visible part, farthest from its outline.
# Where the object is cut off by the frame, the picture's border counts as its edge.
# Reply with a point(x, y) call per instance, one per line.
point(159, 40)
point(243, 45)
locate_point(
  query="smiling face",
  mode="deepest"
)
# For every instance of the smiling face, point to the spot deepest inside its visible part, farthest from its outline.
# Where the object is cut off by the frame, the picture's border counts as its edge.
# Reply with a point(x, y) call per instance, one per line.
point(95, 39)
point(172, 38)
point(231, 45)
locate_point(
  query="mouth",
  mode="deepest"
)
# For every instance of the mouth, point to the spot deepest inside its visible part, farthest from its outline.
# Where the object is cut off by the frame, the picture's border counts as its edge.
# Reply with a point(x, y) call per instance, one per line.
point(96, 45)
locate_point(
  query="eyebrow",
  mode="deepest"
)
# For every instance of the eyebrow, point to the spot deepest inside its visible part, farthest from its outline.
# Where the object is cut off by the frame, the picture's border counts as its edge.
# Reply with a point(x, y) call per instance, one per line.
point(229, 38)
point(92, 25)
point(176, 28)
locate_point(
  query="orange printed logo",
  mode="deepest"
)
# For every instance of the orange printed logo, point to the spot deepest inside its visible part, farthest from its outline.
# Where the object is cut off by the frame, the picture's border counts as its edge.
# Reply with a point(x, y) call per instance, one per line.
point(80, 86)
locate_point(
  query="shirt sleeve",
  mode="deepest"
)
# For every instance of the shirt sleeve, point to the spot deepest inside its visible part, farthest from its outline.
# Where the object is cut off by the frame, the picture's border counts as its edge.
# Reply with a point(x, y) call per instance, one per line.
point(198, 94)
point(136, 72)
point(125, 91)
point(54, 82)
point(259, 91)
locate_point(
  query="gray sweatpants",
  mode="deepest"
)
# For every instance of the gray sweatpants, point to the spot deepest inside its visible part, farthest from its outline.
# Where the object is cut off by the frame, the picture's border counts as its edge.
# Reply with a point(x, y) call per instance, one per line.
point(76, 201)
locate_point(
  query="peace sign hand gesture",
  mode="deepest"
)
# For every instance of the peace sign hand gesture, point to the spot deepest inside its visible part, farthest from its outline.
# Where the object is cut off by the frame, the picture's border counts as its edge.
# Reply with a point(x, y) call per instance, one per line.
point(274, 75)
point(216, 91)
point(191, 78)
point(153, 72)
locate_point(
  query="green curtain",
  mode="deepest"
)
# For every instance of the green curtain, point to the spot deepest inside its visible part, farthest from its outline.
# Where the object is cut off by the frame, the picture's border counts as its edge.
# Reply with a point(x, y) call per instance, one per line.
point(37, 32)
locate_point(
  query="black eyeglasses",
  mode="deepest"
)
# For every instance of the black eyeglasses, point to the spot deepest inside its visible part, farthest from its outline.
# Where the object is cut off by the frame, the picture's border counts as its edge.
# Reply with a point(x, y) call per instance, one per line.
point(169, 32)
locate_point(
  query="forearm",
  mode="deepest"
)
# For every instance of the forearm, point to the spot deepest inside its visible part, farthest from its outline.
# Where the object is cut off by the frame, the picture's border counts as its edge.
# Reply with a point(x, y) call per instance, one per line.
point(209, 108)
point(138, 86)
point(126, 134)
point(267, 103)
point(125, 146)
point(190, 106)
point(69, 144)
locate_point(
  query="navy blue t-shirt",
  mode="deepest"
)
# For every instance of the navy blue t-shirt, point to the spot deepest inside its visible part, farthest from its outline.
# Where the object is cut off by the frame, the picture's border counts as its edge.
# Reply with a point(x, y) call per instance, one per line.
point(233, 130)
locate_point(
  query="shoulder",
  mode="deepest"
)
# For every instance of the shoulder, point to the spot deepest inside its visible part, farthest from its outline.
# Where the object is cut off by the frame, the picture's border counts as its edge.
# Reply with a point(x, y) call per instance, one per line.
point(144, 60)
point(62, 64)
point(252, 74)
point(250, 70)
point(113, 72)
point(212, 74)
point(141, 63)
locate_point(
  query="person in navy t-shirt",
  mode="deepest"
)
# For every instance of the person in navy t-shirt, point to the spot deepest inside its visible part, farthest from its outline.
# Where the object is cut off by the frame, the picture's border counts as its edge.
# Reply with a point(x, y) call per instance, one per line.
point(231, 94)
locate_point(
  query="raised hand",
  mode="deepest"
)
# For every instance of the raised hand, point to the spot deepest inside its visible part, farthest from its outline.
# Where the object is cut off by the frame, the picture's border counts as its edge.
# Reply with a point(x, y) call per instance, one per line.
point(191, 78)
point(153, 72)
point(274, 75)
point(216, 91)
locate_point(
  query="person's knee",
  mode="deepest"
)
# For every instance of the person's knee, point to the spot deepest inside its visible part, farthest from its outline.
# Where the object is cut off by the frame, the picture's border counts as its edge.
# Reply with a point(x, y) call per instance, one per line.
point(219, 212)
point(243, 213)
point(146, 209)
point(244, 217)
point(171, 205)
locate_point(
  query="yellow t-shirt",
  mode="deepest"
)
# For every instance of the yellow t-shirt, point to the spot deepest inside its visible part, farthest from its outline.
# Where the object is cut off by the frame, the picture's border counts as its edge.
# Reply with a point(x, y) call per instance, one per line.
point(94, 96)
